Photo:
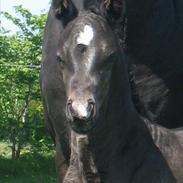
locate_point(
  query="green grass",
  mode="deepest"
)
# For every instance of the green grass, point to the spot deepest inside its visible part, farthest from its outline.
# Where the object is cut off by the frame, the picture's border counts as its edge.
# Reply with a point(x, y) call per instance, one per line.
point(29, 168)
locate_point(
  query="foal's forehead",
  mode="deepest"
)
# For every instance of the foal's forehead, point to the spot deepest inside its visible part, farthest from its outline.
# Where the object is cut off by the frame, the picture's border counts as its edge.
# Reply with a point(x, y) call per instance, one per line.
point(92, 32)
point(85, 35)
point(88, 27)
point(94, 35)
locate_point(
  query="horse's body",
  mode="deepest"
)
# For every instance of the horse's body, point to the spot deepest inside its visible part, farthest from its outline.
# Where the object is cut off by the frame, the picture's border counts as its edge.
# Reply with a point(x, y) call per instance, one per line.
point(90, 89)
point(154, 34)
point(170, 143)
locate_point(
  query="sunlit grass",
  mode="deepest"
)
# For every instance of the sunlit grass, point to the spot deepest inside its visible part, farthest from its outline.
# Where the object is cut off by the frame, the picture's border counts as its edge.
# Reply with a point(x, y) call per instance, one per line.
point(29, 168)
point(5, 150)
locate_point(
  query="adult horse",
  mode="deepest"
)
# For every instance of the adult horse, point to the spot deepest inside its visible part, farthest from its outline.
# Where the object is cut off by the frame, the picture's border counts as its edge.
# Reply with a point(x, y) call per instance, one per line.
point(86, 83)
point(154, 34)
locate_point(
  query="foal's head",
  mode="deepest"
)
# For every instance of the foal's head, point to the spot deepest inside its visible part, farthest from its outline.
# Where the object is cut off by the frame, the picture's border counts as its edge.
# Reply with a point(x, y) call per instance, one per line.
point(87, 52)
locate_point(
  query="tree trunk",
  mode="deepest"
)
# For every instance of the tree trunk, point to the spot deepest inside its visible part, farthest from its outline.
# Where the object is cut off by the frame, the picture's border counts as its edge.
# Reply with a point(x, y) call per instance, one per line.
point(13, 148)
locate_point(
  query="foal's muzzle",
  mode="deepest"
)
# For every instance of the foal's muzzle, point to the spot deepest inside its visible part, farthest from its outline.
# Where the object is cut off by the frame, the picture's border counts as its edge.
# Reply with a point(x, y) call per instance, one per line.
point(81, 114)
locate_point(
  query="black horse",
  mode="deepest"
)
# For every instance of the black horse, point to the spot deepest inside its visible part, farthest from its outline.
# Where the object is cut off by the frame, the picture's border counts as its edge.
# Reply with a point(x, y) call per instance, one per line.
point(170, 143)
point(85, 82)
point(154, 34)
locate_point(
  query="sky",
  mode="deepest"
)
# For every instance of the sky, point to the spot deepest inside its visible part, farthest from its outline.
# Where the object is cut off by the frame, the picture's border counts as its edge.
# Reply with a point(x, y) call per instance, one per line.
point(34, 6)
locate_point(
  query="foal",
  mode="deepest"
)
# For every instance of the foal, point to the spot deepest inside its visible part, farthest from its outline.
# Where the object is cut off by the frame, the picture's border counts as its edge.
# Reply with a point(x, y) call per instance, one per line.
point(99, 104)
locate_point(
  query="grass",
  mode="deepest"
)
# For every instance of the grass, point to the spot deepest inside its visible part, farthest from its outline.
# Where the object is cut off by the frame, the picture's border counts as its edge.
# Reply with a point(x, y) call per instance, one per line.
point(29, 168)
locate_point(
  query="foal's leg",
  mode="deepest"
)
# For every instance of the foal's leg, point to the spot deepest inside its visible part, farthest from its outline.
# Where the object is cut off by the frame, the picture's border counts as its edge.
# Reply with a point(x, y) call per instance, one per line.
point(73, 174)
point(86, 163)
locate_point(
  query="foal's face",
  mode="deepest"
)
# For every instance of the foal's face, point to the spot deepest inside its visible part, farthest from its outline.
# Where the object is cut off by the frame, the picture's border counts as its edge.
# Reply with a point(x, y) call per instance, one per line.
point(87, 52)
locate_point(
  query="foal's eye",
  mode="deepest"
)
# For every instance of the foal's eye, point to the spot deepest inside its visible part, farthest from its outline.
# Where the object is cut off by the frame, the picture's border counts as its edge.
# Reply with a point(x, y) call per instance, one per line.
point(60, 60)
point(112, 57)
point(110, 60)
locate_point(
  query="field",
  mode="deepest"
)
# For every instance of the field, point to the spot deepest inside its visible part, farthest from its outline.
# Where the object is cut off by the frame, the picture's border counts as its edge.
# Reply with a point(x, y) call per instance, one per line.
point(29, 168)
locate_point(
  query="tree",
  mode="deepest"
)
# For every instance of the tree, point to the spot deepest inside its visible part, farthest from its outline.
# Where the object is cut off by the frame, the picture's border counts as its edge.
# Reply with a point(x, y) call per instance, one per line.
point(20, 101)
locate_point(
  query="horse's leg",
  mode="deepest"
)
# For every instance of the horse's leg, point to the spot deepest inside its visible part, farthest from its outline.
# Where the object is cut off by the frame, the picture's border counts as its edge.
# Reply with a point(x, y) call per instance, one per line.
point(73, 175)
point(60, 161)
point(86, 164)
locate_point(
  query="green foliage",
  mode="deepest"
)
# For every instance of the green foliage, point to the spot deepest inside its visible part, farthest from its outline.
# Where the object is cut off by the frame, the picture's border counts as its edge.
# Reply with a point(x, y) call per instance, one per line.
point(29, 168)
point(21, 110)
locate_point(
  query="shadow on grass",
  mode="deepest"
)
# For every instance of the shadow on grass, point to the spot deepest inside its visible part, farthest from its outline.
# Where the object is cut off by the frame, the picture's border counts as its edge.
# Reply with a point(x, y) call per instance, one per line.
point(28, 169)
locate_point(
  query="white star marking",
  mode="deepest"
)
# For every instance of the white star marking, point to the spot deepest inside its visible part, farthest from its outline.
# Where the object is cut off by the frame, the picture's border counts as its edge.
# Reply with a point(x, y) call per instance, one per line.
point(86, 36)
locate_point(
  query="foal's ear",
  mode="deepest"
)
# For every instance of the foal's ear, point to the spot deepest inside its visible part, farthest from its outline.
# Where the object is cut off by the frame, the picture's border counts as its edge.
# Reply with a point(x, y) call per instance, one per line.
point(65, 11)
point(114, 9)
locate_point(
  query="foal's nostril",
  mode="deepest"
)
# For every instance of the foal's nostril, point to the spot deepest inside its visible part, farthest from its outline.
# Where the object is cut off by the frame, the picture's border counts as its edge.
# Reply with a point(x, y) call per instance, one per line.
point(69, 109)
point(91, 107)
point(80, 110)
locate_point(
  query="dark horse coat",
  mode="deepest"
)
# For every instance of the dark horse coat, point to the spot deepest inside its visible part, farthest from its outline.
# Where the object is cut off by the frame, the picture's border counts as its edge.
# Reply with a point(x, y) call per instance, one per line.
point(154, 44)
point(82, 168)
point(170, 143)
point(121, 143)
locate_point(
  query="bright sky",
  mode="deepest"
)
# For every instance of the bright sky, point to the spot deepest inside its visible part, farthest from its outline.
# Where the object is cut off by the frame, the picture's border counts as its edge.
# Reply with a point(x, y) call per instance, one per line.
point(34, 6)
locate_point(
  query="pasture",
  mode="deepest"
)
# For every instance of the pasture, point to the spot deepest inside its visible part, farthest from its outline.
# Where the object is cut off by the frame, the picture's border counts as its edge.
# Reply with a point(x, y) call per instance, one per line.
point(29, 168)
